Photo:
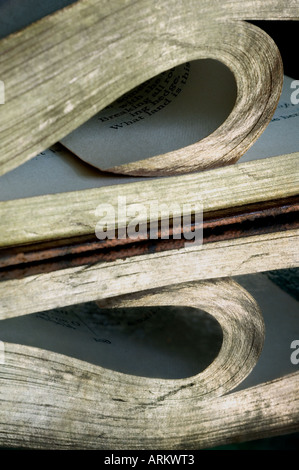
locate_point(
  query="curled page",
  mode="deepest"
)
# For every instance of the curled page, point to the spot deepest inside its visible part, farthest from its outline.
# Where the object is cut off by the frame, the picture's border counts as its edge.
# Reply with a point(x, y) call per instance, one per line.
point(58, 170)
point(177, 108)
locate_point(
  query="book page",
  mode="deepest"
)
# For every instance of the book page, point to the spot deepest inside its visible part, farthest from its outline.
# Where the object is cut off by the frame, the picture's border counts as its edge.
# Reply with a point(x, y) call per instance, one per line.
point(170, 111)
point(153, 120)
point(181, 109)
point(282, 134)
point(165, 342)
point(58, 170)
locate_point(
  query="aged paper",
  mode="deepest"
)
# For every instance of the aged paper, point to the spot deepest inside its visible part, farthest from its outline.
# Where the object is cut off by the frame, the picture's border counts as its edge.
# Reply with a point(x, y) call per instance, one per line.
point(58, 170)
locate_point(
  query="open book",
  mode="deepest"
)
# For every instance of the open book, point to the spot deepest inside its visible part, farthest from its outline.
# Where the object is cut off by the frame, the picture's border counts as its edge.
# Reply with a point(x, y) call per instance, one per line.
point(154, 368)
point(144, 343)
point(203, 104)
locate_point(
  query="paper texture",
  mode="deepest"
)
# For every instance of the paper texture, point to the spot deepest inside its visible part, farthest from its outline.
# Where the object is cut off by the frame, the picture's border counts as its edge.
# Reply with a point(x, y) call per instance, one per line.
point(159, 342)
point(282, 134)
point(55, 170)
point(175, 109)
point(60, 171)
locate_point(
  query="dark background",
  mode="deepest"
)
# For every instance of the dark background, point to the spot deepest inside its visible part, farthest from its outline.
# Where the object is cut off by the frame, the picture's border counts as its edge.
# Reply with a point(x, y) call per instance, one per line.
point(285, 35)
